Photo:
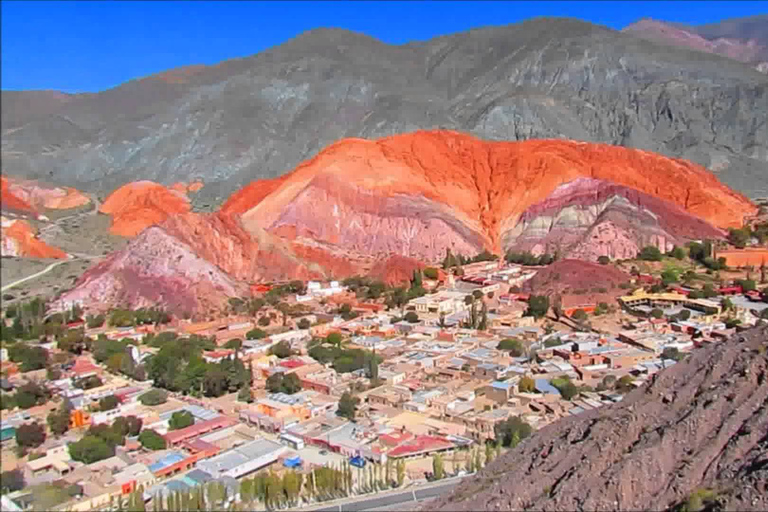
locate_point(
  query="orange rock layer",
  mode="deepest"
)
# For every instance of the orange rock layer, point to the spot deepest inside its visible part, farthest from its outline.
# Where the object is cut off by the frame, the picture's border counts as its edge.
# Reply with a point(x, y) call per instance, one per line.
point(19, 240)
point(11, 201)
point(141, 204)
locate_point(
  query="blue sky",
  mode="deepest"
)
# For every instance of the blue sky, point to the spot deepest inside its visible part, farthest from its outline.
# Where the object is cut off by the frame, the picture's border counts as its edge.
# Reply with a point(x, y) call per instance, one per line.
point(92, 46)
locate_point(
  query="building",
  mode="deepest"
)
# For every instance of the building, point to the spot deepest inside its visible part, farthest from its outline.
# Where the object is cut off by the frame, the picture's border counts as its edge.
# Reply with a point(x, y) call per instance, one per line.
point(444, 302)
point(244, 459)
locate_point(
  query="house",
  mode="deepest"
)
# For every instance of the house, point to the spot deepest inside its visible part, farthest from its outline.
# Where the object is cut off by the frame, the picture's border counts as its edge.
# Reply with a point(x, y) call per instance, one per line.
point(443, 302)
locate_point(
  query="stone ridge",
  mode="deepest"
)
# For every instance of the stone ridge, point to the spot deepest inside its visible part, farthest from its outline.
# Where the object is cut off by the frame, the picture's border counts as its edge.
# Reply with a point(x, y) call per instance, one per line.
point(140, 204)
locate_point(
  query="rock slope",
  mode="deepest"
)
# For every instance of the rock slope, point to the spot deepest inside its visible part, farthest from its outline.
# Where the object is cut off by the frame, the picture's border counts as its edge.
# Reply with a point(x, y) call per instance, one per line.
point(259, 116)
point(360, 202)
point(699, 425)
point(18, 239)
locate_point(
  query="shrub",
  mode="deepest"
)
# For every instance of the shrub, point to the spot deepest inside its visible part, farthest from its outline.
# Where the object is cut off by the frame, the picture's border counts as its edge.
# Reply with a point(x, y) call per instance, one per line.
point(30, 435)
point(281, 350)
point(154, 397)
point(526, 385)
point(657, 313)
point(513, 346)
point(411, 317)
point(603, 260)
point(256, 334)
point(538, 305)
point(108, 403)
point(431, 273)
point(263, 321)
point(579, 315)
point(304, 324)
point(650, 253)
point(151, 440)
point(511, 431)
point(180, 419)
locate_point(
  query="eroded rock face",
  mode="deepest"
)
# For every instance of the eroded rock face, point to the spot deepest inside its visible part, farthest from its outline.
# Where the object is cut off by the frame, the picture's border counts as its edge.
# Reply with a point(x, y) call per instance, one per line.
point(360, 202)
point(141, 204)
point(18, 239)
point(54, 198)
point(155, 268)
point(700, 424)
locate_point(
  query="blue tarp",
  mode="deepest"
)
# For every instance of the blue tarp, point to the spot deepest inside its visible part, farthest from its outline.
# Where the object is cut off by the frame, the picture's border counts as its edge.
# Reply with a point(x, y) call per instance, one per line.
point(292, 463)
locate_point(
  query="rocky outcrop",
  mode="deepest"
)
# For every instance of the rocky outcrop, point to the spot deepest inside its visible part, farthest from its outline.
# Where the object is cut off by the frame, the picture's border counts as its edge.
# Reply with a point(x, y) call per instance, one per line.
point(39, 196)
point(155, 269)
point(359, 203)
point(700, 425)
point(10, 201)
point(744, 40)
point(141, 204)
point(260, 116)
point(18, 239)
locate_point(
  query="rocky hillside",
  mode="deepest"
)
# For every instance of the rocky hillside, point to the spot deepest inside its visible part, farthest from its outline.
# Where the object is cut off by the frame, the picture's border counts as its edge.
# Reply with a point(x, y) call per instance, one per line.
point(260, 116)
point(416, 195)
point(741, 39)
point(696, 432)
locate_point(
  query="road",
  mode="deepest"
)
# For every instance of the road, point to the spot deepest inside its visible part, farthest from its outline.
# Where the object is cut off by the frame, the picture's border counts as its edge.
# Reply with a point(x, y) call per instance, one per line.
point(410, 497)
point(73, 256)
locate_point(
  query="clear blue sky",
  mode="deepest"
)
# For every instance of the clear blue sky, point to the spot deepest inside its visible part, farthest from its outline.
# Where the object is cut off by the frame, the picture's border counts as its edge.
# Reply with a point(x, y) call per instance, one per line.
point(92, 46)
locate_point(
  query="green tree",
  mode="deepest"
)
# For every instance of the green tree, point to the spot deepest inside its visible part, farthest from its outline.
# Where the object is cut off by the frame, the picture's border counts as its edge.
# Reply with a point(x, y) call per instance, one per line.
point(526, 385)
point(538, 305)
point(657, 313)
point(291, 384)
point(400, 472)
point(513, 345)
point(677, 252)
point(11, 481)
point(255, 334)
point(304, 324)
point(669, 276)
point(579, 315)
point(489, 453)
point(154, 397)
point(438, 469)
point(347, 406)
point(603, 260)
point(334, 338)
point(411, 317)
point(180, 419)
point(90, 449)
point(650, 253)
point(58, 420)
point(431, 273)
point(108, 403)
point(739, 237)
point(234, 344)
point(30, 435)
point(672, 353)
point(506, 430)
point(245, 395)
point(281, 350)
point(151, 440)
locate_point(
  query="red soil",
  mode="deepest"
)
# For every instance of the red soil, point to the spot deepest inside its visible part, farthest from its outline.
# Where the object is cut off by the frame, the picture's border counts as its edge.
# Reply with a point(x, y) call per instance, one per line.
point(22, 238)
point(395, 270)
point(141, 204)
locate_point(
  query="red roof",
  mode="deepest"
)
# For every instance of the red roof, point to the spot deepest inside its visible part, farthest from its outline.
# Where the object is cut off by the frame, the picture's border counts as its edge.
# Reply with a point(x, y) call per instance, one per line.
point(395, 438)
point(84, 365)
point(292, 363)
point(215, 354)
point(420, 444)
point(198, 429)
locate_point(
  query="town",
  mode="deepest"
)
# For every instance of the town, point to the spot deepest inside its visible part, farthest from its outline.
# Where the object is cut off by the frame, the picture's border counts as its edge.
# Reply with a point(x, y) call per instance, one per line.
point(309, 392)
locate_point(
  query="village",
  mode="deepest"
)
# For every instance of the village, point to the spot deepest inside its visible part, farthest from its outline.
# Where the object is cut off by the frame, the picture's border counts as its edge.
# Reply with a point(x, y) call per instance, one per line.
point(313, 391)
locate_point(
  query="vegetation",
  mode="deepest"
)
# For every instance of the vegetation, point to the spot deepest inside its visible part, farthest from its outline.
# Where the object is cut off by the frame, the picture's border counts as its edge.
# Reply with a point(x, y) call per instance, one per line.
point(650, 253)
point(431, 273)
point(245, 395)
point(154, 397)
point(672, 353)
point(108, 403)
point(180, 419)
point(579, 315)
point(343, 360)
point(526, 258)
point(255, 334)
point(603, 260)
point(28, 357)
point(58, 420)
point(281, 383)
point(438, 467)
point(151, 440)
point(526, 385)
point(11, 481)
point(513, 345)
point(511, 431)
point(98, 443)
point(30, 435)
point(567, 389)
point(538, 305)
point(411, 317)
point(304, 324)
point(347, 406)
point(281, 350)
point(699, 500)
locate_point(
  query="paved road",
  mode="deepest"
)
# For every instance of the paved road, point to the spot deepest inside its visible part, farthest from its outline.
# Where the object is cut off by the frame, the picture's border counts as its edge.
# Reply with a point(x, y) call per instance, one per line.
point(409, 498)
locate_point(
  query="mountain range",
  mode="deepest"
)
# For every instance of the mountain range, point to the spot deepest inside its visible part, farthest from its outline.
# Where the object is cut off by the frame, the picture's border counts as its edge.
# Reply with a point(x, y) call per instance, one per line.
point(260, 116)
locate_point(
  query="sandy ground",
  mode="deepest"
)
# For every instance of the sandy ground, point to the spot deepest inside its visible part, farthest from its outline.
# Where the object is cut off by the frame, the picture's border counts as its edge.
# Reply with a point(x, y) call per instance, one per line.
point(60, 278)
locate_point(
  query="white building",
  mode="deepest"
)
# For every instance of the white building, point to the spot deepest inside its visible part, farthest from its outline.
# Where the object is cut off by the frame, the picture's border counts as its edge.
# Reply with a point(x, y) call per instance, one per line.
point(445, 302)
point(243, 459)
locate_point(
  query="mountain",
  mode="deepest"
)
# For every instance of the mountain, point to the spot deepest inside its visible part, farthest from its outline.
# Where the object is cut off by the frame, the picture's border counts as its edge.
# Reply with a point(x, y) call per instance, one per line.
point(260, 116)
point(741, 39)
point(417, 195)
point(696, 432)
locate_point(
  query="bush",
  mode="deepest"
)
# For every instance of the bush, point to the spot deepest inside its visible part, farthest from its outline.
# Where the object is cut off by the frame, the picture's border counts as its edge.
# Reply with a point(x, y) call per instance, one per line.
point(151, 440)
point(263, 321)
point(677, 252)
point(580, 315)
point(513, 346)
point(90, 449)
point(511, 431)
point(304, 324)
point(154, 397)
point(657, 313)
point(87, 383)
point(12, 481)
point(411, 317)
point(256, 334)
point(603, 260)
point(180, 419)
point(234, 344)
point(281, 350)
point(526, 385)
point(30, 435)
point(650, 253)
point(538, 305)
point(431, 273)
point(108, 403)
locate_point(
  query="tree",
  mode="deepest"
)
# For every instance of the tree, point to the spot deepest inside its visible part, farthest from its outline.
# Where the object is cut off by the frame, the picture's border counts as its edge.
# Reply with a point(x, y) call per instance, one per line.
point(347, 406)
point(437, 467)
point(304, 324)
point(30, 435)
point(180, 419)
point(90, 449)
point(684, 315)
point(677, 252)
point(411, 317)
point(579, 315)
point(650, 253)
point(274, 382)
point(624, 384)
point(400, 472)
point(513, 345)
point(511, 427)
point(291, 384)
point(672, 353)
point(489, 453)
point(669, 276)
point(603, 260)
point(431, 273)
point(58, 420)
point(108, 403)
point(538, 305)
point(245, 395)
point(748, 285)
point(151, 440)
point(234, 344)
point(256, 334)
point(526, 385)
point(30, 395)
point(264, 321)
point(657, 313)
point(134, 425)
point(281, 349)
point(334, 338)
point(739, 237)
point(12, 481)
point(154, 397)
